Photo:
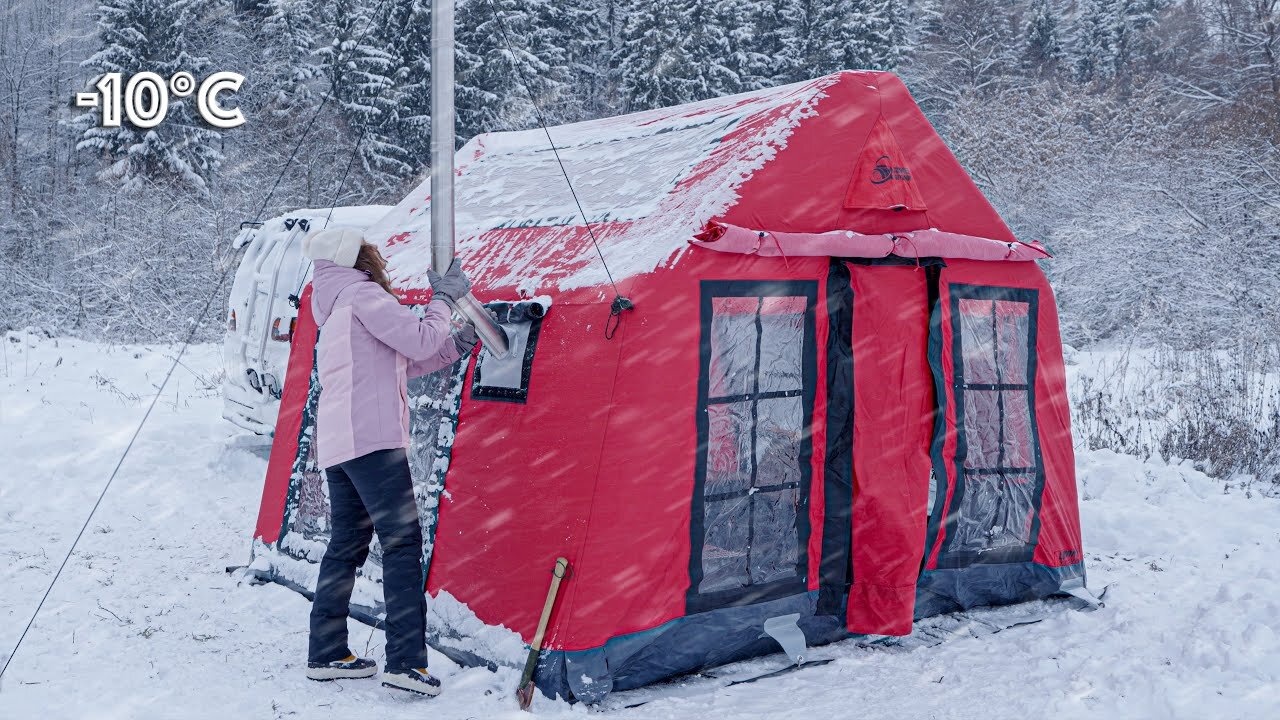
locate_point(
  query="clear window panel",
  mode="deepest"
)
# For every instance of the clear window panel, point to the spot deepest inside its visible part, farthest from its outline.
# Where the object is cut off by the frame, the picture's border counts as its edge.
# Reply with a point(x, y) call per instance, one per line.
point(997, 512)
point(724, 547)
point(1019, 452)
point(728, 448)
point(781, 344)
point(779, 429)
point(733, 347)
point(312, 518)
point(1020, 508)
point(749, 535)
point(997, 507)
point(1012, 328)
point(433, 402)
point(775, 547)
point(982, 429)
point(977, 341)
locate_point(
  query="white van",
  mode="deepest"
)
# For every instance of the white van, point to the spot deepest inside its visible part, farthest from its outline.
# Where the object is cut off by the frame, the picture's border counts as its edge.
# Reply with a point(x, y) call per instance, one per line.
point(261, 316)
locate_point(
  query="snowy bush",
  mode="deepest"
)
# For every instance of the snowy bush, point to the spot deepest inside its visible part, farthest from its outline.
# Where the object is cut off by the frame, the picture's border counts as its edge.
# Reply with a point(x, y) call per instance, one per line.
point(1218, 408)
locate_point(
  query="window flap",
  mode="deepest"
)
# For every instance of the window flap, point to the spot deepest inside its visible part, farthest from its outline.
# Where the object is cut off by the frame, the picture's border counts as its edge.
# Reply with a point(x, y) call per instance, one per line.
point(506, 379)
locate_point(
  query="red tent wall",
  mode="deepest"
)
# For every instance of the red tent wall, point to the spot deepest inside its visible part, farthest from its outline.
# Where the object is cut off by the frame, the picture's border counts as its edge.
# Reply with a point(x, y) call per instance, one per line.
point(521, 480)
point(284, 444)
point(609, 490)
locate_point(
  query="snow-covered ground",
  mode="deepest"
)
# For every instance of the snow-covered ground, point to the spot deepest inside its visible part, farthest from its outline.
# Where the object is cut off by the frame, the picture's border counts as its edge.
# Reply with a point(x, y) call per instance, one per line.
point(145, 623)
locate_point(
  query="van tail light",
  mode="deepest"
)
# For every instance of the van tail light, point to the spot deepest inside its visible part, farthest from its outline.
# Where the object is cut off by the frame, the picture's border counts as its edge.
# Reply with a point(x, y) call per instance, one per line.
point(231, 321)
point(283, 337)
point(271, 385)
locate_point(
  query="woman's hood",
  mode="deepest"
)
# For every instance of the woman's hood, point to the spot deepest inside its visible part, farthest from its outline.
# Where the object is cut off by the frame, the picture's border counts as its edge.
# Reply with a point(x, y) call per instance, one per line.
point(327, 283)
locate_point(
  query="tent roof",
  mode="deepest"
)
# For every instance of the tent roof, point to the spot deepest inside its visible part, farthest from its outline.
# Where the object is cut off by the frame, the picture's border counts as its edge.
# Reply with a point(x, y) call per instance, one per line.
point(649, 181)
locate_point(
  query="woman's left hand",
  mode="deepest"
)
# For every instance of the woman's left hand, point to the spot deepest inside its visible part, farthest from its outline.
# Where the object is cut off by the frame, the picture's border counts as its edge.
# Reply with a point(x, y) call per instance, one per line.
point(466, 339)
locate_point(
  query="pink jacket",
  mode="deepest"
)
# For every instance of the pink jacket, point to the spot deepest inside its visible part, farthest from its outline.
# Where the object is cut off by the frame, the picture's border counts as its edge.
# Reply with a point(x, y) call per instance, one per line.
point(369, 346)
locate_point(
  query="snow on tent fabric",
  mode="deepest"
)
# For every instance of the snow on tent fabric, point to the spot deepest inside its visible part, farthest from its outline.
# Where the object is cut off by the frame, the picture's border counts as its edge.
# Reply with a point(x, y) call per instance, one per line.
point(845, 399)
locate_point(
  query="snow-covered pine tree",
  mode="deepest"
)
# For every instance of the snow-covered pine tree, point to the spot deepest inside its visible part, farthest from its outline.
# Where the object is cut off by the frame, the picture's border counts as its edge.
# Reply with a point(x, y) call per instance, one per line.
point(491, 84)
point(810, 34)
point(1132, 34)
point(406, 31)
point(966, 47)
point(1114, 39)
point(354, 57)
point(839, 35)
point(897, 32)
point(1092, 41)
point(825, 37)
point(1041, 49)
point(604, 98)
point(773, 59)
point(743, 57)
point(482, 86)
point(289, 32)
point(650, 55)
point(543, 40)
point(586, 39)
point(152, 36)
point(867, 34)
point(706, 52)
point(1186, 53)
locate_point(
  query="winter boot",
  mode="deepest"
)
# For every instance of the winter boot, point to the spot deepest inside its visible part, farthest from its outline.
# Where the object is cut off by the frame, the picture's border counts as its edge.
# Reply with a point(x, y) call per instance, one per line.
point(348, 667)
point(416, 680)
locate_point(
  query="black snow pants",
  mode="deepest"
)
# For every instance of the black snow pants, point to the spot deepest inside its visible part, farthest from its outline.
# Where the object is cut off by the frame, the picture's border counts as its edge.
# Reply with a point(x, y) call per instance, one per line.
point(372, 492)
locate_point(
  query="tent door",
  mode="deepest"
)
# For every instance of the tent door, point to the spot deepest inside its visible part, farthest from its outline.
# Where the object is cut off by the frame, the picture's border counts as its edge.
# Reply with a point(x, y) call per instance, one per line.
point(880, 414)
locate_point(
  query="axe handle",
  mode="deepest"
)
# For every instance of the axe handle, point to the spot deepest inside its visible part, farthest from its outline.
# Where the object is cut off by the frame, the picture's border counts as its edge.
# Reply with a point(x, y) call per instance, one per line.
point(557, 574)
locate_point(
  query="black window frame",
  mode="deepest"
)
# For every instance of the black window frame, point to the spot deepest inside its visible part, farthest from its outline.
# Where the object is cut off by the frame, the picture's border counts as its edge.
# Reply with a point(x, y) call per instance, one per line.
point(696, 601)
point(520, 395)
point(835, 568)
point(948, 555)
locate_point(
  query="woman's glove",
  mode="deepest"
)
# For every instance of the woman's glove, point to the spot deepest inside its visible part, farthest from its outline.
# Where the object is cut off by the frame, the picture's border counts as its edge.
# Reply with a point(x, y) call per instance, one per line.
point(466, 339)
point(452, 286)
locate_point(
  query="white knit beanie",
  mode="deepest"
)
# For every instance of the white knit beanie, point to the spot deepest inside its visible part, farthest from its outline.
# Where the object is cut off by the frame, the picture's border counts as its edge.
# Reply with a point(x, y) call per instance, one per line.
point(339, 245)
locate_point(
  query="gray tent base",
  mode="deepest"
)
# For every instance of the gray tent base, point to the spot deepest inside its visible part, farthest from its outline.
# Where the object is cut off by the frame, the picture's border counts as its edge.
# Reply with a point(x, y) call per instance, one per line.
point(927, 633)
point(686, 644)
point(695, 643)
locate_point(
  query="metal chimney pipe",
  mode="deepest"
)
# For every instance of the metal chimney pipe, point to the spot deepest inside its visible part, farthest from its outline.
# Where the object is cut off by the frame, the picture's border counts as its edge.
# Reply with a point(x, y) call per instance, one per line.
point(442, 151)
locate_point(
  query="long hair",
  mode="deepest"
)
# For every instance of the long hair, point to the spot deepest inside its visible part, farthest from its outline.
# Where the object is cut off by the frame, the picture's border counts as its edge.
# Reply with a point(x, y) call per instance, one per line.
point(371, 263)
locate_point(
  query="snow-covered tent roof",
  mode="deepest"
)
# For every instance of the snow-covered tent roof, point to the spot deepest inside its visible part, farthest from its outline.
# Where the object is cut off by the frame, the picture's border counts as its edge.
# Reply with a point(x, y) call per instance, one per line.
point(649, 181)
point(634, 175)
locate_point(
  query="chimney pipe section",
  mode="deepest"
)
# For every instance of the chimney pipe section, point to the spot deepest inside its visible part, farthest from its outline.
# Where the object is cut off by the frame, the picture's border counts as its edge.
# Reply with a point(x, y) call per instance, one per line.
point(442, 174)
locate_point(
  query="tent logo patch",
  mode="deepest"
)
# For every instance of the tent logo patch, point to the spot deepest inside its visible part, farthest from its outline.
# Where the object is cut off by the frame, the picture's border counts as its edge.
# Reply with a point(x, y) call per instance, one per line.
point(883, 172)
point(882, 178)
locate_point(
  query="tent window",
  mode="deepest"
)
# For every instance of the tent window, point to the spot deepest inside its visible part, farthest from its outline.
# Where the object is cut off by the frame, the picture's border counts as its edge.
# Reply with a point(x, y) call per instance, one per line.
point(507, 379)
point(998, 453)
point(750, 524)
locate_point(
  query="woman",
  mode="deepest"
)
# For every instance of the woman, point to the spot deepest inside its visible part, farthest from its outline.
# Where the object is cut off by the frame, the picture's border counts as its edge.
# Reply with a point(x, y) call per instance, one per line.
point(369, 346)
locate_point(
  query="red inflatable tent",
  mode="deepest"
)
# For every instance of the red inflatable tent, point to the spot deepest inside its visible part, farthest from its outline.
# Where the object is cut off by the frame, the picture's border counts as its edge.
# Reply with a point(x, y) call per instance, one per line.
point(840, 392)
